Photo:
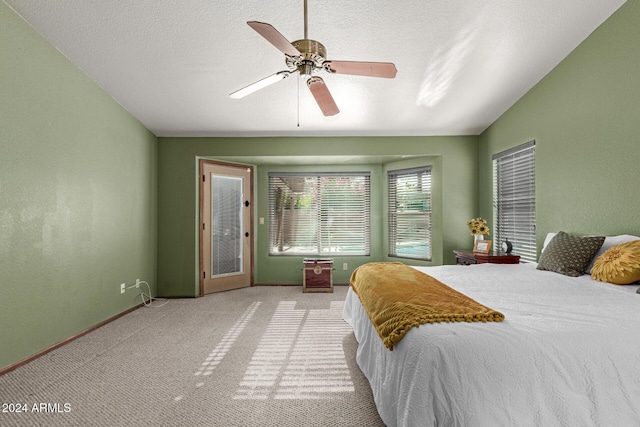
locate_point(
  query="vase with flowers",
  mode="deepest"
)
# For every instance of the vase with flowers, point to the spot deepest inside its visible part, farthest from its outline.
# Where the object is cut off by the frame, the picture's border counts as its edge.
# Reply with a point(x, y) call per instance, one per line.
point(478, 228)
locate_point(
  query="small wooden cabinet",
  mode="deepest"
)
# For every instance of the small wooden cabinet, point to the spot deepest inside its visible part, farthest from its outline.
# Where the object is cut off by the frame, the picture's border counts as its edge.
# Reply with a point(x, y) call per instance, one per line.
point(317, 275)
point(469, 258)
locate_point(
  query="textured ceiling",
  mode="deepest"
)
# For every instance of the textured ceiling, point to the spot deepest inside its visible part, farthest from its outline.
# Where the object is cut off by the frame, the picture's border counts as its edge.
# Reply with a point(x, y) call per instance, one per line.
point(172, 64)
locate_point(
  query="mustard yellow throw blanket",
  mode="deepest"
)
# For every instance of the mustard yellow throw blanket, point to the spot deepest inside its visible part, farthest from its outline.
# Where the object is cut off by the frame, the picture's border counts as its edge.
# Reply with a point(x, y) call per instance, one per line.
point(398, 297)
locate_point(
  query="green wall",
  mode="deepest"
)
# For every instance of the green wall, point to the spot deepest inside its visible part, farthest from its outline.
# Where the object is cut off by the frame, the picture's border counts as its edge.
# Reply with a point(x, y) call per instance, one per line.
point(77, 197)
point(455, 170)
point(585, 118)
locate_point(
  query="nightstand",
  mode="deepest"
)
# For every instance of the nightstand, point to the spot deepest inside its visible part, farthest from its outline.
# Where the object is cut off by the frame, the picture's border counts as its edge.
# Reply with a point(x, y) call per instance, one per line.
point(469, 258)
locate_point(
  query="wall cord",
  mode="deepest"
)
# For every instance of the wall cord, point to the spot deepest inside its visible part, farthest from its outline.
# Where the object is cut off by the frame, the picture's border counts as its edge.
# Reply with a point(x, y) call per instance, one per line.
point(149, 299)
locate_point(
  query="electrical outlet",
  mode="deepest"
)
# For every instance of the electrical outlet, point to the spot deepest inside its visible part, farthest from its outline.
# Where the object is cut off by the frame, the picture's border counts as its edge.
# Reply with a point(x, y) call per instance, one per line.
point(344, 266)
point(137, 283)
point(122, 288)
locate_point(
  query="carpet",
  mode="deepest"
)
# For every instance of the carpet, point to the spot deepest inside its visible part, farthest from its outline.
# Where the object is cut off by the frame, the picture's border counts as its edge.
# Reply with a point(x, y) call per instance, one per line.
point(260, 356)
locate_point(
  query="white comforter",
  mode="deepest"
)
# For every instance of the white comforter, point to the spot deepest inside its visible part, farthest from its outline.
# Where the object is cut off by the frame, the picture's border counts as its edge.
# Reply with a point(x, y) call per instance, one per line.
point(567, 354)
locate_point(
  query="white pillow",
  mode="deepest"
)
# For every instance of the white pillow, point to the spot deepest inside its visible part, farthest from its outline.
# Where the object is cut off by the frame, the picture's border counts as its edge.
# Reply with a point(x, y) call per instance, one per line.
point(547, 240)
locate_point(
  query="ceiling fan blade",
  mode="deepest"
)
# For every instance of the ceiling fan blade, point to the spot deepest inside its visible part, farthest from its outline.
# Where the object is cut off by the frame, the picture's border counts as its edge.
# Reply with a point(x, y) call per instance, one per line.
point(274, 37)
point(322, 95)
point(253, 87)
point(372, 69)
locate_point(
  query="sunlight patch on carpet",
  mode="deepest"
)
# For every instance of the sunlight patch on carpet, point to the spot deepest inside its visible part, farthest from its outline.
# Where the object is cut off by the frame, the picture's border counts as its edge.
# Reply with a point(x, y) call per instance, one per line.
point(218, 353)
point(300, 356)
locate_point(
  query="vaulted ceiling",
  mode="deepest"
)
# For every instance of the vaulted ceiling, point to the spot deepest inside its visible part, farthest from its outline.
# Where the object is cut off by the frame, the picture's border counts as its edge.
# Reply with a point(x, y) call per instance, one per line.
point(172, 64)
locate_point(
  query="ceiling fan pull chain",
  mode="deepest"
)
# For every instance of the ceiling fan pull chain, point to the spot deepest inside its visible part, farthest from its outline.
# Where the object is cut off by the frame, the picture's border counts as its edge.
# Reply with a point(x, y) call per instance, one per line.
point(298, 102)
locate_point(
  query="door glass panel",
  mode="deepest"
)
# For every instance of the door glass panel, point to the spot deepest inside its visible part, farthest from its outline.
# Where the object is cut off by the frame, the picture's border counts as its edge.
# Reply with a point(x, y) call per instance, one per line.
point(226, 220)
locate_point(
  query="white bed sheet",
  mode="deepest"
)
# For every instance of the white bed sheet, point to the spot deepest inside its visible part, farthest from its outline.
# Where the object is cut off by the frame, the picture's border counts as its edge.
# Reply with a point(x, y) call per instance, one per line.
point(567, 354)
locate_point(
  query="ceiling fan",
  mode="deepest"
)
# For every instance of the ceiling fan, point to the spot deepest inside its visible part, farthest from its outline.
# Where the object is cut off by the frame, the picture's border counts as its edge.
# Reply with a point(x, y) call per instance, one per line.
point(308, 57)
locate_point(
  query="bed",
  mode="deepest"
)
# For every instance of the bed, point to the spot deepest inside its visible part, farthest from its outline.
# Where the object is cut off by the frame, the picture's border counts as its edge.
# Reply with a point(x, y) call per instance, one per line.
point(566, 354)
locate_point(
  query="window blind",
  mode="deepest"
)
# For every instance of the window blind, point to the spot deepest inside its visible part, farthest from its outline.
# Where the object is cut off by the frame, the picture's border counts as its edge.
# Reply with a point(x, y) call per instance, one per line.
point(514, 201)
point(319, 214)
point(410, 213)
point(226, 224)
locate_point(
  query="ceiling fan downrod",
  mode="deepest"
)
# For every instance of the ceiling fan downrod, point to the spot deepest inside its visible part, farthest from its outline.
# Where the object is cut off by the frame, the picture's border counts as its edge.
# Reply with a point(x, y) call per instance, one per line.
point(313, 53)
point(306, 36)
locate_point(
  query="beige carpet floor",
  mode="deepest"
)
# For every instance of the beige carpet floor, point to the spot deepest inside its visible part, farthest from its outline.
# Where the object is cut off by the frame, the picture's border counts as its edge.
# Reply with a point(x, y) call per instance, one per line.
point(261, 356)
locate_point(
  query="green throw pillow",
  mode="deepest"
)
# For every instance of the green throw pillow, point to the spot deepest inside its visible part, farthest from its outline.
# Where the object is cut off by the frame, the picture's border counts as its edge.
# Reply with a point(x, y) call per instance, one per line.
point(569, 255)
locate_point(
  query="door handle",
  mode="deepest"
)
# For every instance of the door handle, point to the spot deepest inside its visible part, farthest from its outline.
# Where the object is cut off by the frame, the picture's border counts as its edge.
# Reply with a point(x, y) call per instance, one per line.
point(246, 203)
point(246, 234)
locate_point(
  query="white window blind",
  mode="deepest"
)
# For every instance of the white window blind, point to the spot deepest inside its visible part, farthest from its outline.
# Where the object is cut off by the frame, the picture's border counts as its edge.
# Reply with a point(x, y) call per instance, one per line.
point(410, 213)
point(514, 199)
point(319, 214)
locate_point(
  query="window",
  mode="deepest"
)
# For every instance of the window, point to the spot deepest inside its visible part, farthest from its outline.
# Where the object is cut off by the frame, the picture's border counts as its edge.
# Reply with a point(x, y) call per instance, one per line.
point(410, 213)
point(514, 199)
point(319, 214)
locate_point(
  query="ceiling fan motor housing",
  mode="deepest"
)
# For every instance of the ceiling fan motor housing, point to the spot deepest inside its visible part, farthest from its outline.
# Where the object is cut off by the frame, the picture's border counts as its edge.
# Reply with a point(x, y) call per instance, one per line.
point(313, 55)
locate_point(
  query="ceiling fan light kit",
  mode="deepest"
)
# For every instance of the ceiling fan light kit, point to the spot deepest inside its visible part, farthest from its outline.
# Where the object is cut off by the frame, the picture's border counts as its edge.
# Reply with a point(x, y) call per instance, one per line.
point(308, 57)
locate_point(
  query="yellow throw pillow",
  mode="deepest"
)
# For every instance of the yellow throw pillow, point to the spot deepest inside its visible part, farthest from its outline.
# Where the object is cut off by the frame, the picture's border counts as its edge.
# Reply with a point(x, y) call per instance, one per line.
point(619, 265)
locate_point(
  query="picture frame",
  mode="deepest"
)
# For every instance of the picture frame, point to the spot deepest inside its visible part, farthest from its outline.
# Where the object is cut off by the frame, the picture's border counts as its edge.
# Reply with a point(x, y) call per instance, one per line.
point(482, 246)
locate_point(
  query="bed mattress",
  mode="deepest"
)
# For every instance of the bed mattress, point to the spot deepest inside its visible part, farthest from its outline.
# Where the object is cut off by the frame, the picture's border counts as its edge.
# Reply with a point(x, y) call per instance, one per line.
point(567, 354)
